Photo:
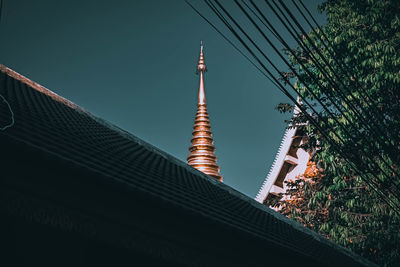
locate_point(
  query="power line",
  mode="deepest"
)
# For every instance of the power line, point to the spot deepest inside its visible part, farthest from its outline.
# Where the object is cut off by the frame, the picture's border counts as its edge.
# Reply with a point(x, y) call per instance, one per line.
point(367, 123)
point(316, 97)
point(214, 9)
point(315, 80)
point(342, 65)
point(324, 89)
point(231, 43)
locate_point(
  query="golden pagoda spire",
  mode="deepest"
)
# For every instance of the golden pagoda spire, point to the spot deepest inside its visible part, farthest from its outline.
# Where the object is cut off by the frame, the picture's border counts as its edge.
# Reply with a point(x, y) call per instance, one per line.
point(202, 155)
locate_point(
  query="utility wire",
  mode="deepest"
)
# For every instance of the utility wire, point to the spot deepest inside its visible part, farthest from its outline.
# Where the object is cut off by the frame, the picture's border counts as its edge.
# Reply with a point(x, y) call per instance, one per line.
point(329, 95)
point(297, 92)
point(231, 43)
point(341, 64)
point(364, 119)
point(367, 123)
point(316, 81)
point(345, 68)
point(313, 94)
point(286, 93)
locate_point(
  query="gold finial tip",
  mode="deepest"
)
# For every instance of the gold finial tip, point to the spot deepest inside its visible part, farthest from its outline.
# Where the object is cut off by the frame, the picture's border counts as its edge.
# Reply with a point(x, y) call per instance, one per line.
point(201, 66)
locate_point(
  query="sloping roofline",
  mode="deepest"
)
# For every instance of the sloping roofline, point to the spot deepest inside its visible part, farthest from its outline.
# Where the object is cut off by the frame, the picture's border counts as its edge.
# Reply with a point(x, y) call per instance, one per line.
point(210, 199)
point(38, 87)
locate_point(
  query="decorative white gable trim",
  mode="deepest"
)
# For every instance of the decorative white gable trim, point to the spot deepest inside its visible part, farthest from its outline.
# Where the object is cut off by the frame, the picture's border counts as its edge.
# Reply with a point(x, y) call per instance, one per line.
point(277, 164)
point(299, 163)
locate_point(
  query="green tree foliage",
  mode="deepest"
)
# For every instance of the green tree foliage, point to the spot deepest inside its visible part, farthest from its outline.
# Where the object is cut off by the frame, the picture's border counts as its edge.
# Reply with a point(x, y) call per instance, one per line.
point(338, 203)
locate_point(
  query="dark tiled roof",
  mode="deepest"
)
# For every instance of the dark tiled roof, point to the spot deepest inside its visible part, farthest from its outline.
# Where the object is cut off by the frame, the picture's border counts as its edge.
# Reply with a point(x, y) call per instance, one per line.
point(53, 124)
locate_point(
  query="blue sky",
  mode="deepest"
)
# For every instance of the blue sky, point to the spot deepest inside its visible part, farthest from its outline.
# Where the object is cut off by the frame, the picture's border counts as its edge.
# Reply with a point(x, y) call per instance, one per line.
point(133, 63)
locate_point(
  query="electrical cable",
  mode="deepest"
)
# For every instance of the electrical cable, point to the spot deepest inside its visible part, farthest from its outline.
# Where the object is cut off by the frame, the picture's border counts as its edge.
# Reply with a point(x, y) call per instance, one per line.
point(343, 66)
point(286, 93)
point(316, 97)
point(329, 94)
point(368, 123)
point(230, 42)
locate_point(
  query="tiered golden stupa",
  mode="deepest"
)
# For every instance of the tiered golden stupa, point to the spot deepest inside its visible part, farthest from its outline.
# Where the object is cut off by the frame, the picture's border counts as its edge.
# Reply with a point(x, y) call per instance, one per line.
point(202, 155)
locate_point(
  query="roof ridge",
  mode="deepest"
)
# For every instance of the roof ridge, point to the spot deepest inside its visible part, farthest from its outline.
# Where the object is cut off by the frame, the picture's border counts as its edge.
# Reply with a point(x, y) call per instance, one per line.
point(39, 87)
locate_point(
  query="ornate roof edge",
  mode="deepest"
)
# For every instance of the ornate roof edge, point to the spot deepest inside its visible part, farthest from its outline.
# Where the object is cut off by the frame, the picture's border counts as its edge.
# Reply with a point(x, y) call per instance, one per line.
point(277, 164)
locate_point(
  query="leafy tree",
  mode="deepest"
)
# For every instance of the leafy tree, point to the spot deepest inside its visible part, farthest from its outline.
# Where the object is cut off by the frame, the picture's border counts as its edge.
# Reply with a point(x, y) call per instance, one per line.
point(358, 78)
